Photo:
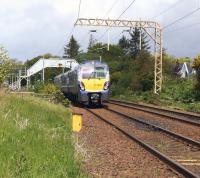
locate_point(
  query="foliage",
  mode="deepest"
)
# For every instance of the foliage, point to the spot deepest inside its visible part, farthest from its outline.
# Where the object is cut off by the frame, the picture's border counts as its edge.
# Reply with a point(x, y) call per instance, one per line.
point(169, 63)
point(176, 93)
point(196, 66)
point(131, 47)
point(51, 89)
point(59, 97)
point(30, 62)
point(134, 42)
point(71, 50)
point(38, 87)
point(5, 64)
point(36, 139)
point(124, 44)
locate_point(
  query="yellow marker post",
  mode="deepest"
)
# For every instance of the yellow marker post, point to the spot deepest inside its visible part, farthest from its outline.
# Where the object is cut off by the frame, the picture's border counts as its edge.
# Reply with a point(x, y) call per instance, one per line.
point(76, 122)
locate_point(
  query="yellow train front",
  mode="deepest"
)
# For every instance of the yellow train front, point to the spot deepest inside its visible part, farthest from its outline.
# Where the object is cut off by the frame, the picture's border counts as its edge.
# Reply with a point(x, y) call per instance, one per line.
point(88, 83)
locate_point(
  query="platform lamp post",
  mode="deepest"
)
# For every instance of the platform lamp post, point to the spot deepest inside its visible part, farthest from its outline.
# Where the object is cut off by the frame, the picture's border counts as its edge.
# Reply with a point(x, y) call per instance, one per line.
point(43, 70)
point(95, 31)
point(92, 31)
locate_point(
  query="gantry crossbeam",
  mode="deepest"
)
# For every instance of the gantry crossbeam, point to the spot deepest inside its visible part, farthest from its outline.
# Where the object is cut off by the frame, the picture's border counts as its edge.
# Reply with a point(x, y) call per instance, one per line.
point(116, 23)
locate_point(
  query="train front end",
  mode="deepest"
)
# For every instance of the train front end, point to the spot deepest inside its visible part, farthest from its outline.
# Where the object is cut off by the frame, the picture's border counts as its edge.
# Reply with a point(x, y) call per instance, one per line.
point(94, 81)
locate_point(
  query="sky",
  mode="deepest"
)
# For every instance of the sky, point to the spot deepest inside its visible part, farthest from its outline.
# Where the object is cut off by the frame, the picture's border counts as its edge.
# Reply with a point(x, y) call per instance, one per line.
point(29, 28)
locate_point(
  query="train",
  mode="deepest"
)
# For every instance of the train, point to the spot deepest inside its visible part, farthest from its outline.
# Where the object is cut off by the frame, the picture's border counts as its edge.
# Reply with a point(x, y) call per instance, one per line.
point(87, 83)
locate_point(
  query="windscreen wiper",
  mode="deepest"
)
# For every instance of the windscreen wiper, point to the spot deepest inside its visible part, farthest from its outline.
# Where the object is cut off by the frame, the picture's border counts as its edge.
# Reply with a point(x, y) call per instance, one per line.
point(91, 75)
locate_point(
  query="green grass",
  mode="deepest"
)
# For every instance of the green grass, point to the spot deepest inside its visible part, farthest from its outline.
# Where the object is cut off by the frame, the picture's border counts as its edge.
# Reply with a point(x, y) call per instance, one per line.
point(35, 139)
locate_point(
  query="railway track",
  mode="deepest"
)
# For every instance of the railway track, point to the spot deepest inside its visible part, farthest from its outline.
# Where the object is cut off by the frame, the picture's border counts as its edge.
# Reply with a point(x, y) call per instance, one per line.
point(179, 152)
point(186, 117)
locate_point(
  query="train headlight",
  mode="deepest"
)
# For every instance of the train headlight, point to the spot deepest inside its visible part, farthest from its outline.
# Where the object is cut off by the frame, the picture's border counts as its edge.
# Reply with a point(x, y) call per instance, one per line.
point(82, 86)
point(106, 86)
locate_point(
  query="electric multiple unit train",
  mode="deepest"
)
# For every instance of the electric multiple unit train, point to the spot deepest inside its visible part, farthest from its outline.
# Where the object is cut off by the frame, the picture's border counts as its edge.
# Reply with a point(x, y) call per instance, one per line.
point(87, 83)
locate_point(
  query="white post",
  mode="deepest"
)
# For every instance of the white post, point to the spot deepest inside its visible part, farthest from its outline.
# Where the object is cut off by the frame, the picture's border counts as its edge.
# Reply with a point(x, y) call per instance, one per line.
point(19, 79)
point(27, 82)
point(140, 38)
point(43, 72)
point(155, 70)
point(108, 45)
point(12, 81)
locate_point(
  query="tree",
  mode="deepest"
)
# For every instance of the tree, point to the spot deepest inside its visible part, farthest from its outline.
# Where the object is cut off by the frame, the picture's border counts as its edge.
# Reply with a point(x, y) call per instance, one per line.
point(196, 66)
point(124, 44)
point(30, 62)
point(134, 43)
point(5, 64)
point(71, 50)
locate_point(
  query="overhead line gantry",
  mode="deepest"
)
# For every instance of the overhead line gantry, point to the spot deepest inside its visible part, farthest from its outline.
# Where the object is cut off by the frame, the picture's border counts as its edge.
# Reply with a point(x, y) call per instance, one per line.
point(146, 26)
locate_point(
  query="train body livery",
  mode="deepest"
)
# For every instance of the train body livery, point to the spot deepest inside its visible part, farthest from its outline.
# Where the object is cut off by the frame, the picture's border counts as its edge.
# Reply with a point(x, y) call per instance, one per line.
point(87, 83)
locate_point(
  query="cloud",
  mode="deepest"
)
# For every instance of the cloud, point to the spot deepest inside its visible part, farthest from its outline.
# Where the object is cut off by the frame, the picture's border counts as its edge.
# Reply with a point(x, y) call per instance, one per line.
point(32, 27)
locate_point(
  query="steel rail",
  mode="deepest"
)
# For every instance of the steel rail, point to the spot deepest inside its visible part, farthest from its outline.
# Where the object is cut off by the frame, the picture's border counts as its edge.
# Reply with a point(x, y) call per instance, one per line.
point(178, 112)
point(173, 134)
point(176, 166)
point(148, 109)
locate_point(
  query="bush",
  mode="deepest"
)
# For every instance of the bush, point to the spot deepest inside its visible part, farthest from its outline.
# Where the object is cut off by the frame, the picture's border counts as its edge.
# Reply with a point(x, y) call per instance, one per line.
point(146, 82)
point(51, 89)
point(58, 97)
point(38, 87)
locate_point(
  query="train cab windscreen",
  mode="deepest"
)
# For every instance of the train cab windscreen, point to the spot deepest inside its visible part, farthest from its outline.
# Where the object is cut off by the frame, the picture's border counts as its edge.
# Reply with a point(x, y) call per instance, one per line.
point(93, 72)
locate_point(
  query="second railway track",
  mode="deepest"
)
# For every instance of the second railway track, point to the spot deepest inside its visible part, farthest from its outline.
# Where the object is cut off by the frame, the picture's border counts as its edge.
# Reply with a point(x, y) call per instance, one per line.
point(187, 117)
point(178, 151)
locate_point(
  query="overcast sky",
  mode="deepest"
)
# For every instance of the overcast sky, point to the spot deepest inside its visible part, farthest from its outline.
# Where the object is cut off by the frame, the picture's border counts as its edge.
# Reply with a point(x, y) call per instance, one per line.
point(29, 28)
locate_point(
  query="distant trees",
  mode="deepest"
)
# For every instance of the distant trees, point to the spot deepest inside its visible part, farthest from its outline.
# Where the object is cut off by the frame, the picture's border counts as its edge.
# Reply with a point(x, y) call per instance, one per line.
point(137, 73)
point(131, 46)
point(30, 62)
point(71, 50)
point(134, 42)
point(124, 44)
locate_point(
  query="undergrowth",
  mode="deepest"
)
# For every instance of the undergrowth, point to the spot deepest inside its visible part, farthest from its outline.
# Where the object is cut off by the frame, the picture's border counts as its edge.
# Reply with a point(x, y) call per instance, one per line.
point(176, 93)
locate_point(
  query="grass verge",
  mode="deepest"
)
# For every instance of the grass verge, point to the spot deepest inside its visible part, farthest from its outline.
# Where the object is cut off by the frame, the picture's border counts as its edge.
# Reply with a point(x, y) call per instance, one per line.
point(35, 139)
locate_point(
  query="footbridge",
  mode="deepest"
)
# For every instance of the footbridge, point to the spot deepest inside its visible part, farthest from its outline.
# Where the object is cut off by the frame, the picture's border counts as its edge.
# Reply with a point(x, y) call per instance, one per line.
point(40, 65)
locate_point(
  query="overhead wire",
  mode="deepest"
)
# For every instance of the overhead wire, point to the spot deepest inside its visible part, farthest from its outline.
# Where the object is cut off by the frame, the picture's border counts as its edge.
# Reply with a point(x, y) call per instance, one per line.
point(73, 28)
point(126, 9)
point(184, 27)
point(181, 18)
point(118, 18)
point(110, 9)
point(107, 12)
point(169, 8)
point(79, 10)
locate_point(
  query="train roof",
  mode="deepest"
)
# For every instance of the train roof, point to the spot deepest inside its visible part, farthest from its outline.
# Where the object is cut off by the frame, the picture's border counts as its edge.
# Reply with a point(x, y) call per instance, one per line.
point(85, 63)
